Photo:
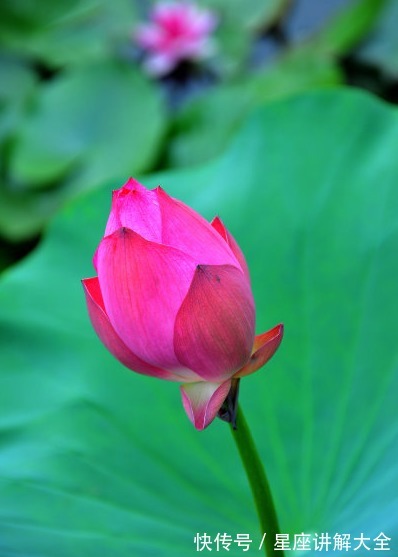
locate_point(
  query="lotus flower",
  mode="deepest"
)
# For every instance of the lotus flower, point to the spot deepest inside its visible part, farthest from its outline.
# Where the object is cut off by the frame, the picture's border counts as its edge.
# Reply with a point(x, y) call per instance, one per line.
point(173, 299)
point(178, 31)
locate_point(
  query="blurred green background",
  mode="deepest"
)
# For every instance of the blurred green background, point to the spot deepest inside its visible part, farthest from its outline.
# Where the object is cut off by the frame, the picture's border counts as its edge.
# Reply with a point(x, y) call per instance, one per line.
point(289, 133)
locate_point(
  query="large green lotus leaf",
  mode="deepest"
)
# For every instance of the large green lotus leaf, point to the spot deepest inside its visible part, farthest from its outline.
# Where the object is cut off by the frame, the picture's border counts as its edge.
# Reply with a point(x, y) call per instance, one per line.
point(17, 84)
point(81, 131)
point(66, 31)
point(204, 127)
point(23, 214)
point(97, 460)
point(83, 121)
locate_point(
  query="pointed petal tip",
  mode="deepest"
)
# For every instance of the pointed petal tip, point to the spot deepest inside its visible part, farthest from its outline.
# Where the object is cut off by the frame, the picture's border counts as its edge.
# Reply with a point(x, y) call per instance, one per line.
point(275, 333)
point(121, 232)
point(203, 400)
point(130, 185)
point(160, 190)
point(216, 221)
point(162, 193)
point(225, 234)
point(87, 283)
point(93, 292)
point(219, 226)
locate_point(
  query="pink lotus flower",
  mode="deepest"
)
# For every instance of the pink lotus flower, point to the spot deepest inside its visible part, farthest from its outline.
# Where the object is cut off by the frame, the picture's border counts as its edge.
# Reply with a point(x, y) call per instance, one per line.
point(173, 299)
point(178, 31)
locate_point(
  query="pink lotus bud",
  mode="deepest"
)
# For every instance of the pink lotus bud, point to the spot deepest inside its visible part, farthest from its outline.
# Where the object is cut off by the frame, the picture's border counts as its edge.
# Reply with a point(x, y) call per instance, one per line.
point(173, 299)
point(177, 31)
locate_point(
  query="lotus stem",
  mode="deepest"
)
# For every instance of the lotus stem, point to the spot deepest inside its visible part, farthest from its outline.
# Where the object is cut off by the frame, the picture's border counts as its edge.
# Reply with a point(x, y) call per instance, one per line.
point(258, 482)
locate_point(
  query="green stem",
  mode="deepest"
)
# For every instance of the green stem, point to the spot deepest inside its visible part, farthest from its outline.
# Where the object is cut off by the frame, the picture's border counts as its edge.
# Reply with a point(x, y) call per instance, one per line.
point(258, 482)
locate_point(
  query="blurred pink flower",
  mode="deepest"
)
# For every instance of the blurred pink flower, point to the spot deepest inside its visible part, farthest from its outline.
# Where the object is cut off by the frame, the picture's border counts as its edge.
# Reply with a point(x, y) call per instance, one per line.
point(173, 299)
point(177, 31)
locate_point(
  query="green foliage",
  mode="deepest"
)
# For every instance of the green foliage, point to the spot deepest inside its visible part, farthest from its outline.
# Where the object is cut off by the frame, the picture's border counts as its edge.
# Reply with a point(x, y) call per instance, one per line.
point(381, 48)
point(204, 127)
point(349, 26)
point(80, 132)
point(99, 461)
point(17, 84)
point(238, 20)
point(76, 111)
point(248, 13)
point(65, 32)
point(92, 135)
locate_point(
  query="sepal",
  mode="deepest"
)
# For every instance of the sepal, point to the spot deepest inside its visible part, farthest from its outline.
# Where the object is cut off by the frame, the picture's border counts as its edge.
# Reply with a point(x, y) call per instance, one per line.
point(203, 400)
point(264, 348)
